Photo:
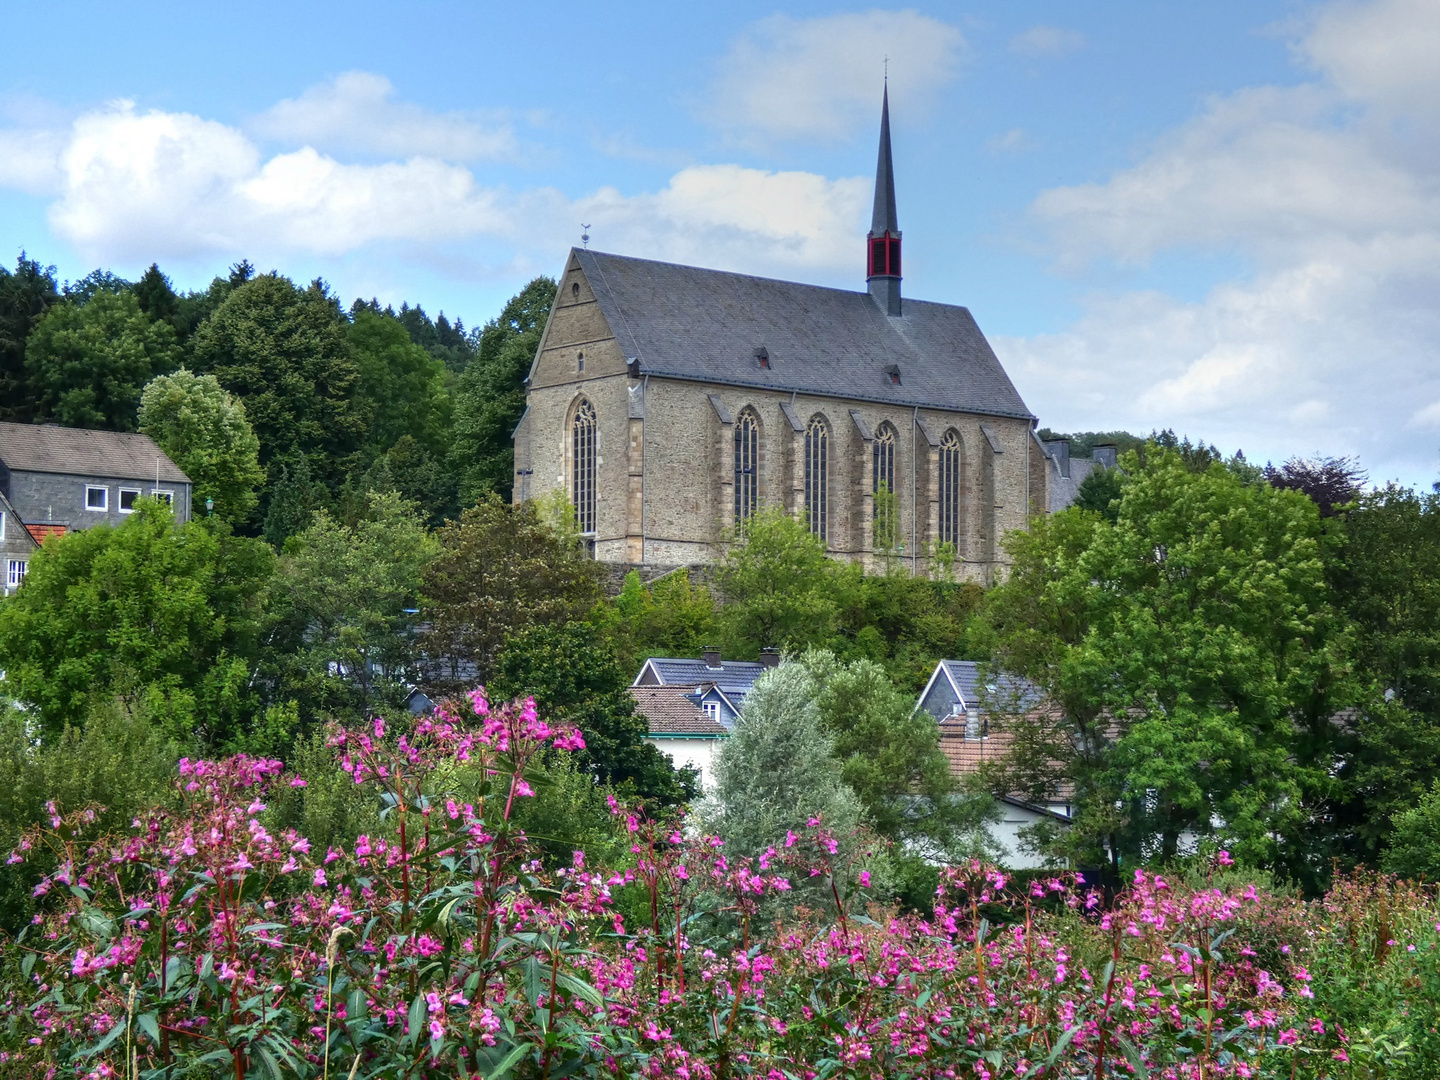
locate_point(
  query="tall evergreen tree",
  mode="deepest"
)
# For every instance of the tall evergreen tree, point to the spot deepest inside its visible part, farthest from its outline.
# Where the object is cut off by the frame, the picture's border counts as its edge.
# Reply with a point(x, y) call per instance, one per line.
point(25, 296)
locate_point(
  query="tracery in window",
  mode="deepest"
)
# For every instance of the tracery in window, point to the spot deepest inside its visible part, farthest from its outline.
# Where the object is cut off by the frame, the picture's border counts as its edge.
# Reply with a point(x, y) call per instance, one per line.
point(747, 466)
point(817, 452)
point(582, 482)
point(883, 485)
point(949, 485)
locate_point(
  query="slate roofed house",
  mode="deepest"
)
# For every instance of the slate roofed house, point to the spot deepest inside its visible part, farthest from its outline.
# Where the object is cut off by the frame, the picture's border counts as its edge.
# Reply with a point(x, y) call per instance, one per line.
point(690, 705)
point(1065, 473)
point(59, 478)
point(963, 704)
point(16, 547)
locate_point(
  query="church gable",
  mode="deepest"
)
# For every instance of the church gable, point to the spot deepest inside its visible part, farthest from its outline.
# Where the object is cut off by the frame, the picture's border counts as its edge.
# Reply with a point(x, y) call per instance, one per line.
point(578, 343)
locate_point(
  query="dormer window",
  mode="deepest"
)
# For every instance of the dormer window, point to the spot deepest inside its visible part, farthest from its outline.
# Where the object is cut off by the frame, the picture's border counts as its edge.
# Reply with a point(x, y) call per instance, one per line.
point(892, 373)
point(712, 710)
point(762, 356)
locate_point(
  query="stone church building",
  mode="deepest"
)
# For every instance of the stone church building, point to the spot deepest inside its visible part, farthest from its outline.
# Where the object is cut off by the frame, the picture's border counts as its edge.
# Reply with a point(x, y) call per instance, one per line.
point(670, 402)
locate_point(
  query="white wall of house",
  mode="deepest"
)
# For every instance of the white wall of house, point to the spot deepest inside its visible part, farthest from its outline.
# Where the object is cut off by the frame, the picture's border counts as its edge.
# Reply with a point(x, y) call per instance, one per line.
point(688, 750)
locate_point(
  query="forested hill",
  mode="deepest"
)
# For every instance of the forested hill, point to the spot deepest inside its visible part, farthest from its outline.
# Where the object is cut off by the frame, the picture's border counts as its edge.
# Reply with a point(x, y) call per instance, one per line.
point(343, 401)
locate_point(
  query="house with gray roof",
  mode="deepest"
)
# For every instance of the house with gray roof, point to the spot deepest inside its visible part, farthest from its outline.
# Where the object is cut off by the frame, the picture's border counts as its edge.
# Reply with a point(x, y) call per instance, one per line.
point(1065, 472)
point(670, 403)
point(56, 479)
point(17, 545)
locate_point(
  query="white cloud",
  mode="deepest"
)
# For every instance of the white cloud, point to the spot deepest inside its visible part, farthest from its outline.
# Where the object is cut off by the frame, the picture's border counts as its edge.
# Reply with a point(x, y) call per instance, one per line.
point(1329, 339)
point(1045, 41)
point(354, 112)
point(1015, 141)
point(819, 78)
point(131, 186)
point(1386, 53)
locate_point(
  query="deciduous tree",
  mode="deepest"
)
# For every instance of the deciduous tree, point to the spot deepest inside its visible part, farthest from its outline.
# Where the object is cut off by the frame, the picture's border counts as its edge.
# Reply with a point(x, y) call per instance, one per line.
point(203, 429)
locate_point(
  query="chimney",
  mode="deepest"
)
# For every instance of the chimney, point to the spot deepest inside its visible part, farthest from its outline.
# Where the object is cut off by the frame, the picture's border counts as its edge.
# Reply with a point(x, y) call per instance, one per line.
point(770, 657)
point(882, 263)
point(711, 656)
point(1107, 455)
point(1059, 450)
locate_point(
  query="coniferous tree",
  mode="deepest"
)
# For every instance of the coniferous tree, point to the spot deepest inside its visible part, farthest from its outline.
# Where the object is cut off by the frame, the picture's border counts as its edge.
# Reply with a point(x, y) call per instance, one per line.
point(25, 296)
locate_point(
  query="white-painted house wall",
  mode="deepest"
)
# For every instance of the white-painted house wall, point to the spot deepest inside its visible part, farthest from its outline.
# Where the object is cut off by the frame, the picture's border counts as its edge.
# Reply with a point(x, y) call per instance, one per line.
point(690, 750)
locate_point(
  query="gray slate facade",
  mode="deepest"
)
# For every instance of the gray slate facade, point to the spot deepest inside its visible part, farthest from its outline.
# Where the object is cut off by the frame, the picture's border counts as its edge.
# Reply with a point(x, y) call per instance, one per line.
point(76, 478)
point(16, 548)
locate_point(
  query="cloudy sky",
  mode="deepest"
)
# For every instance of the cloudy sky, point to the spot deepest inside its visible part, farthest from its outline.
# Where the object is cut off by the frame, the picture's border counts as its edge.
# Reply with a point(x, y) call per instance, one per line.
point(1222, 218)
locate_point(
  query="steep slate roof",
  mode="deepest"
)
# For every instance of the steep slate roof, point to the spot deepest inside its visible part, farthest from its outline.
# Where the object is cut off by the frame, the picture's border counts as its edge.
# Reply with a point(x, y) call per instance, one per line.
point(670, 710)
point(119, 455)
point(735, 678)
point(1010, 691)
point(684, 322)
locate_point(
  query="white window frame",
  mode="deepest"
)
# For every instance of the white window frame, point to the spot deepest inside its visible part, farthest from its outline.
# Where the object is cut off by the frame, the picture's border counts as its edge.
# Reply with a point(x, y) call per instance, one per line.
point(712, 710)
point(120, 499)
point(2, 524)
point(164, 494)
point(104, 506)
point(15, 570)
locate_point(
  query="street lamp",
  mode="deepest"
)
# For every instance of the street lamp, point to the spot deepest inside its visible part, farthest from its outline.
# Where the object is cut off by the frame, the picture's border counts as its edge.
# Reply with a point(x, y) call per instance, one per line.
point(209, 507)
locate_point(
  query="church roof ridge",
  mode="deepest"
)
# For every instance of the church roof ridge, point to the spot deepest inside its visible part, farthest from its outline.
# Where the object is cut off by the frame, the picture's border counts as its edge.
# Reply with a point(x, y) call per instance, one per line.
point(694, 323)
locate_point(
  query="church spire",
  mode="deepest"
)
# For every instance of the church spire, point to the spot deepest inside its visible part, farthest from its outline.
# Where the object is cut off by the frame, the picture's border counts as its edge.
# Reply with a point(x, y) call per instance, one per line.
point(883, 243)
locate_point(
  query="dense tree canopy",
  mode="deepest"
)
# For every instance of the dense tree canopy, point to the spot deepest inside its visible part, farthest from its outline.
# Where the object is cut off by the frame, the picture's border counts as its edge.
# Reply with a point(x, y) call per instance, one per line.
point(1194, 652)
point(491, 396)
point(25, 295)
point(285, 353)
point(151, 611)
point(88, 362)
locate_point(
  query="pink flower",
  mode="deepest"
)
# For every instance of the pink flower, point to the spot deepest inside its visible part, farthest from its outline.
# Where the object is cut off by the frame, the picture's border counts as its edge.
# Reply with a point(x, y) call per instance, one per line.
point(864, 879)
point(297, 782)
point(522, 788)
point(437, 1029)
point(319, 876)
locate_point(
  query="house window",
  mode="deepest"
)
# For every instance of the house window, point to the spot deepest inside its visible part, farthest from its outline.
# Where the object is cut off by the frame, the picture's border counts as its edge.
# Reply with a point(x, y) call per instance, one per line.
point(580, 362)
point(14, 573)
point(883, 485)
point(712, 710)
point(582, 486)
point(96, 498)
point(950, 466)
point(747, 466)
point(817, 447)
point(127, 499)
point(166, 497)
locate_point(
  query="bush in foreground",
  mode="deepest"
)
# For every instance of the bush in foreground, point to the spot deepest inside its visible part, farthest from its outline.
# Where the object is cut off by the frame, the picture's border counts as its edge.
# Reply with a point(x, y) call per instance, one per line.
point(202, 943)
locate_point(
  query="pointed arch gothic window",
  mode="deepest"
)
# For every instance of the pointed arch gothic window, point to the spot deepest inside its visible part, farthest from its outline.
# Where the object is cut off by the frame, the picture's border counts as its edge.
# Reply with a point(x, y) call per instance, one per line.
point(951, 461)
point(582, 469)
point(817, 451)
point(883, 485)
point(747, 466)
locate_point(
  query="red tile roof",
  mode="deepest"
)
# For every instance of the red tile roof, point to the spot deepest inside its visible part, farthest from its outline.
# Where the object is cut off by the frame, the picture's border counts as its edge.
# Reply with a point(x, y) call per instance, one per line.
point(42, 532)
point(668, 711)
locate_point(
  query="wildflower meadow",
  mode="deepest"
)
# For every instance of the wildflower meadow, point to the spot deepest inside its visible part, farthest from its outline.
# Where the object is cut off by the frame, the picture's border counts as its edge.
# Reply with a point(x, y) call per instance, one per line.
point(208, 942)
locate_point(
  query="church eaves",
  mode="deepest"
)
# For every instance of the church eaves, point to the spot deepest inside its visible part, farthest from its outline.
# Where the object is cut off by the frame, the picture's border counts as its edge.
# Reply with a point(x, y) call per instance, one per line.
point(685, 322)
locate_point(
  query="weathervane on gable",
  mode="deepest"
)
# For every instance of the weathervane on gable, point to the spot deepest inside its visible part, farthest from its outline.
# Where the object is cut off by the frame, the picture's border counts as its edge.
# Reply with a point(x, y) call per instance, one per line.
point(585, 236)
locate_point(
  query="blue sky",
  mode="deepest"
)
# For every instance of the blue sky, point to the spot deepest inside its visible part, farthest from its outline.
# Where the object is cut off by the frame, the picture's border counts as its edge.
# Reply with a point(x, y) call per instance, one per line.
point(1223, 218)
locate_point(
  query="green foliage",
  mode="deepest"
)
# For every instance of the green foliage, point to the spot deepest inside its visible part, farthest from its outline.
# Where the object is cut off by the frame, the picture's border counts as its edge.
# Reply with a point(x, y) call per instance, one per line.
point(569, 813)
point(339, 616)
point(670, 617)
point(295, 497)
point(87, 363)
point(1414, 848)
point(1388, 583)
point(286, 354)
point(778, 585)
point(204, 431)
point(777, 769)
point(1083, 443)
point(890, 756)
point(152, 612)
point(491, 396)
point(1193, 654)
point(401, 388)
point(25, 296)
point(331, 809)
point(116, 759)
point(574, 682)
point(1100, 493)
point(501, 570)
